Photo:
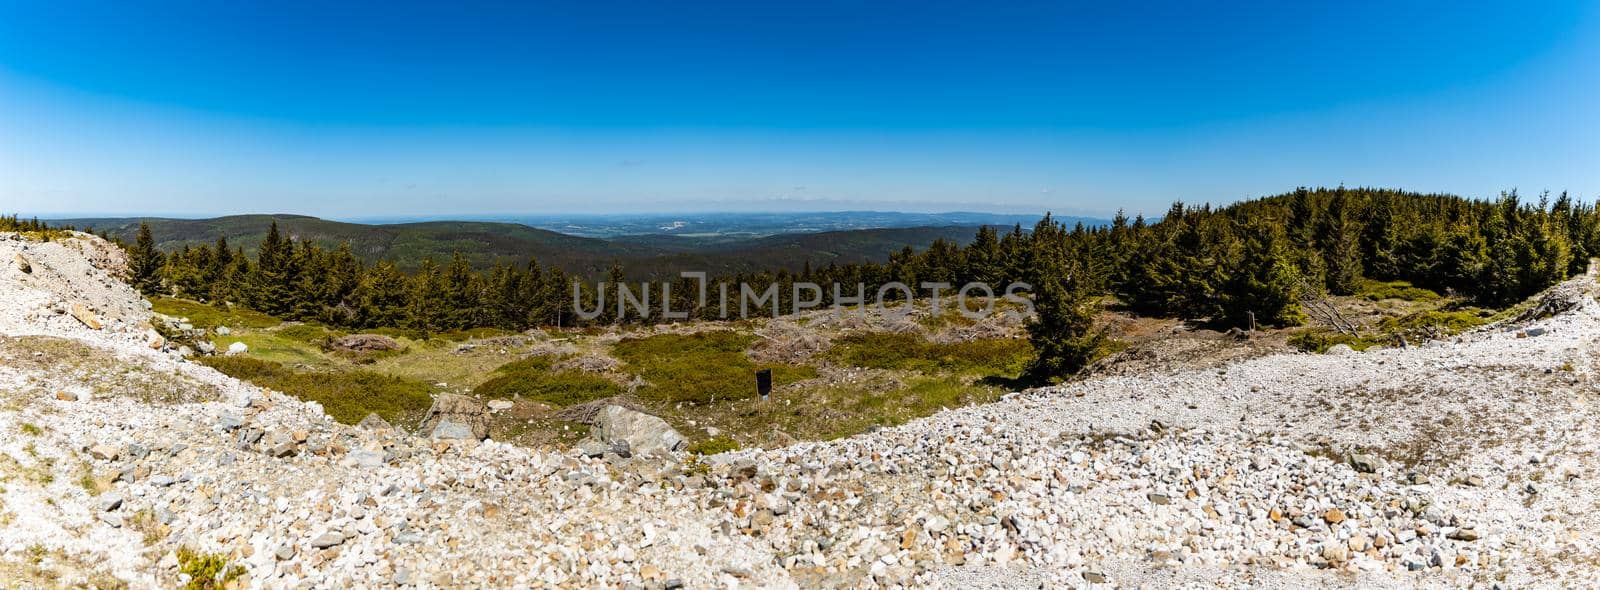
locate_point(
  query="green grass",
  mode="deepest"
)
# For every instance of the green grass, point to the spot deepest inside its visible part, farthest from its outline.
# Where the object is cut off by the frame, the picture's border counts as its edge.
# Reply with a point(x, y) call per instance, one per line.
point(847, 410)
point(920, 397)
point(1414, 328)
point(699, 368)
point(1402, 290)
point(714, 445)
point(207, 571)
point(346, 396)
point(308, 333)
point(202, 315)
point(908, 351)
point(534, 378)
point(274, 347)
point(1441, 322)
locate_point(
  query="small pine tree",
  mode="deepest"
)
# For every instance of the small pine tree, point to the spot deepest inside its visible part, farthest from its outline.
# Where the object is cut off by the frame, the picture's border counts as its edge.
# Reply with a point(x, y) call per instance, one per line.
point(427, 309)
point(383, 297)
point(1339, 239)
point(1263, 286)
point(1063, 333)
point(145, 263)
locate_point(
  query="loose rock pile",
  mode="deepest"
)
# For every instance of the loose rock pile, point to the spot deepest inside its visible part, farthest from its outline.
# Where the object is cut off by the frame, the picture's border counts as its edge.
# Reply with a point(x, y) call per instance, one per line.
point(1467, 463)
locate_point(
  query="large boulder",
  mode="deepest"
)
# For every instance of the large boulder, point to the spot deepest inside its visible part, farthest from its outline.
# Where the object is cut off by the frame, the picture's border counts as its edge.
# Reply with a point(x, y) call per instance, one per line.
point(456, 417)
point(643, 433)
point(364, 343)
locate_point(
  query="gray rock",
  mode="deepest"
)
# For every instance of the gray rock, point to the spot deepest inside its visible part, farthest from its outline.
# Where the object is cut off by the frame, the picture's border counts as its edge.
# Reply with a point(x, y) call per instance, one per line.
point(247, 436)
point(1365, 463)
point(223, 331)
point(645, 434)
point(469, 416)
point(161, 480)
point(238, 348)
point(109, 502)
point(282, 449)
point(328, 539)
point(374, 422)
point(1340, 349)
point(407, 538)
point(592, 448)
point(105, 452)
point(205, 347)
point(365, 343)
point(367, 458)
point(230, 421)
point(284, 553)
point(452, 430)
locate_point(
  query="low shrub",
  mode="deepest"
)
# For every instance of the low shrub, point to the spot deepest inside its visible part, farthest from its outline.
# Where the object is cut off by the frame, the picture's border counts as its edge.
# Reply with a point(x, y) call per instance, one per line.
point(1428, 325)
point(1402, 290)
point(714, 445)
point(909, 351)
point(1319, 340)
point(207, 571)
point(346, 396)
point(202, 315)
point(535, 378)
point(699, 368)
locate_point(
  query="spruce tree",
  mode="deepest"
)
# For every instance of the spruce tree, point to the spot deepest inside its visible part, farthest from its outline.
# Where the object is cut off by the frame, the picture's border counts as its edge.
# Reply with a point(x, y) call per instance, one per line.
point(384, 296)
point(427, 308)
point(462, 293)
point(145, 263)
point(1062, 331)
point(984, 262)
point(270, 289)
point(1338, 239)
point(1262, 289)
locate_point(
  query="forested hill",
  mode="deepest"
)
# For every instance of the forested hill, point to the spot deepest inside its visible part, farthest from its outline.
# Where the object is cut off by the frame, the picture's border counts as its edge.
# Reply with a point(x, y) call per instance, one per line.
point(484, 244)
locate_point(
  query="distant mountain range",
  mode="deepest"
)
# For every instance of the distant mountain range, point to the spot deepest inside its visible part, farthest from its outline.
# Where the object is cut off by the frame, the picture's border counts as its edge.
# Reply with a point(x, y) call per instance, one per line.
point(724, 243)
point(711, 227)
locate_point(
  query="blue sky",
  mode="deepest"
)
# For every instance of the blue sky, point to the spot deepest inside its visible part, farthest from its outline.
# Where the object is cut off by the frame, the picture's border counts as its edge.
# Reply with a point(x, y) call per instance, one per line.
point(469, 109)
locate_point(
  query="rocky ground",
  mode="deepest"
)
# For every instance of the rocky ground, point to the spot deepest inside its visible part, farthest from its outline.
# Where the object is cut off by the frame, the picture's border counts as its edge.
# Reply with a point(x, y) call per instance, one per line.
point(1467, 463)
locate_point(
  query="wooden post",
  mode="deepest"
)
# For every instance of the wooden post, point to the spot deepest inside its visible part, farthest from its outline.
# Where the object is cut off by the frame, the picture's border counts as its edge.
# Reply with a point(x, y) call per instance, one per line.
point(764, 383)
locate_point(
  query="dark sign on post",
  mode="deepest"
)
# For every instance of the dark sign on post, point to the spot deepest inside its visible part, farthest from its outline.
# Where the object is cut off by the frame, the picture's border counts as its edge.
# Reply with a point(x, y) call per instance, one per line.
point(764, 382)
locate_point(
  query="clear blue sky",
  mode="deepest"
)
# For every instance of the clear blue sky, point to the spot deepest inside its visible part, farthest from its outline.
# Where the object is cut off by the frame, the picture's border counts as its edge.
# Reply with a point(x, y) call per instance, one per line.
point(594, 106)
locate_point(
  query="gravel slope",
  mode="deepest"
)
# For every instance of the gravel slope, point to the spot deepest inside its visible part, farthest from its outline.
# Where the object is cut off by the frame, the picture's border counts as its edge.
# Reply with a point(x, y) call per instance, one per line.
point(1477, 462)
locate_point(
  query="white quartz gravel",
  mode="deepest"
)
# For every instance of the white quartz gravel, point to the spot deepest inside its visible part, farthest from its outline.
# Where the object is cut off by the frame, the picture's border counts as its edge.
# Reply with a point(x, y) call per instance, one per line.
point(1235, 477)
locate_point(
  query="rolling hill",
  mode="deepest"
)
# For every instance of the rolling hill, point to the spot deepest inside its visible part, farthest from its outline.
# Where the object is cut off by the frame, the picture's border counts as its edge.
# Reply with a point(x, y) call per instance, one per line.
point(486, 243)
